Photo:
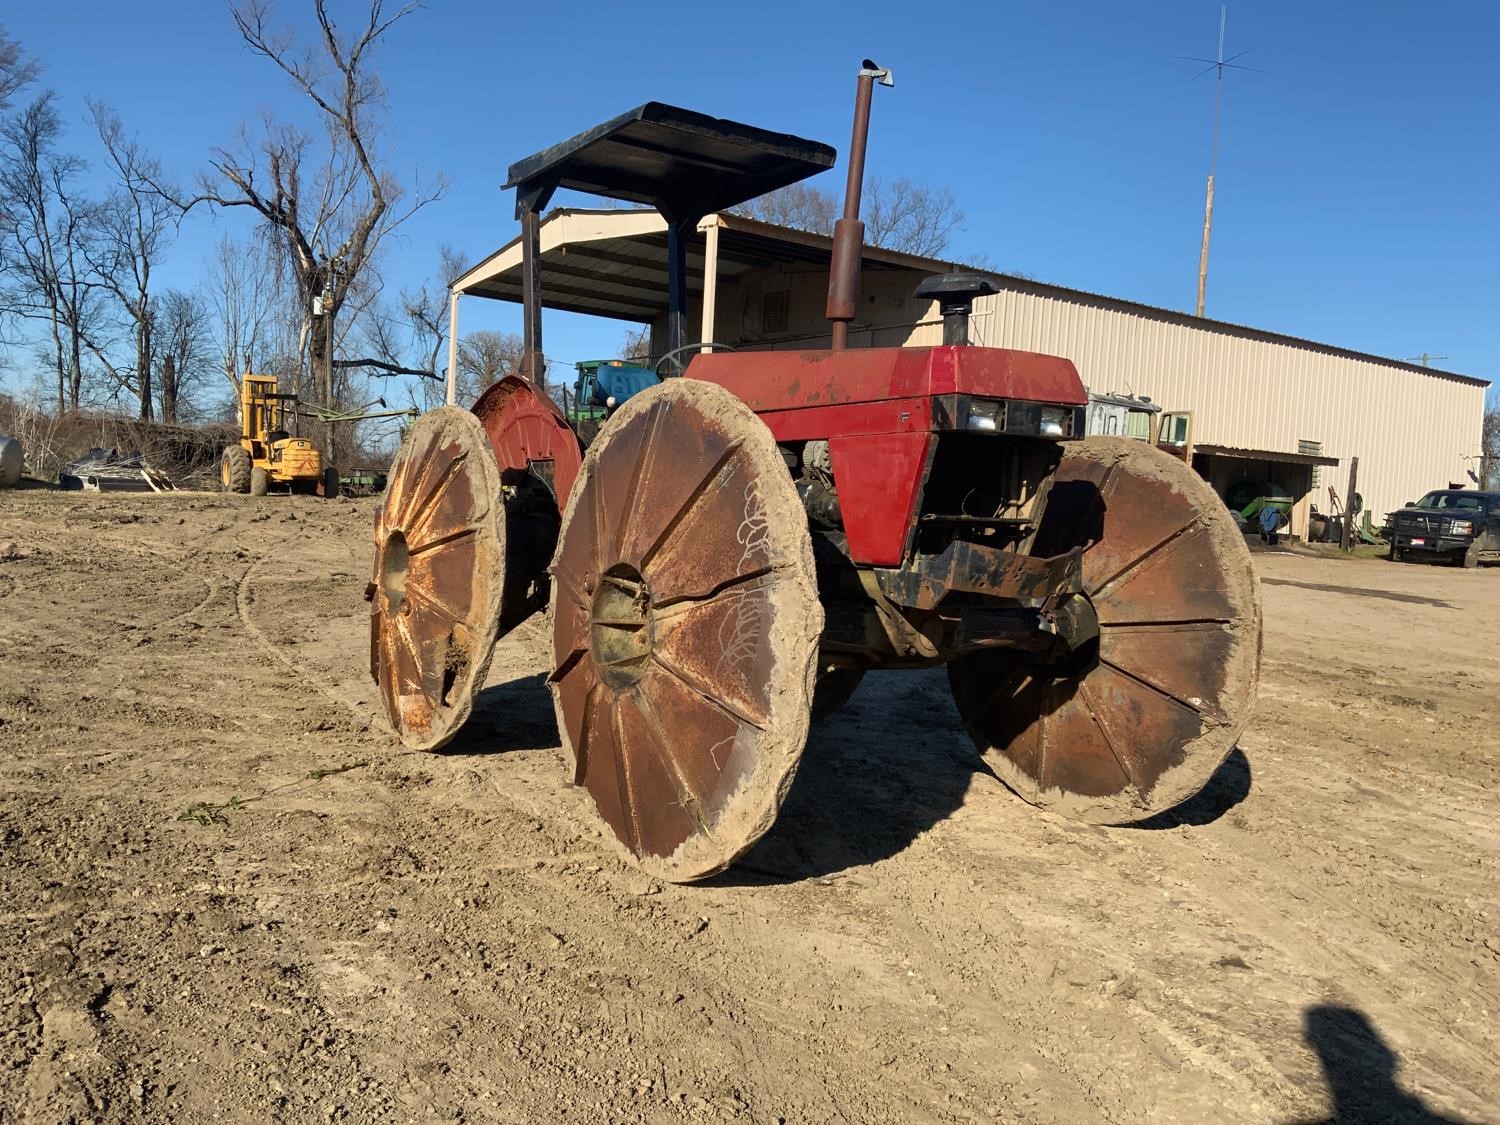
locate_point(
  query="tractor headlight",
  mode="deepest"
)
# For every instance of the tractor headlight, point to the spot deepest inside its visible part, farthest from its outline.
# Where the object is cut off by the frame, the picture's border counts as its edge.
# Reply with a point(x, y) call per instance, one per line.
point(985, 415)
point(1054, 422)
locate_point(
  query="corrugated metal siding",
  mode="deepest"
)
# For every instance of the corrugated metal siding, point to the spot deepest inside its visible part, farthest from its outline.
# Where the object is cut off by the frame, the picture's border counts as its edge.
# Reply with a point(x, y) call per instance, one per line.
point(1411, 432)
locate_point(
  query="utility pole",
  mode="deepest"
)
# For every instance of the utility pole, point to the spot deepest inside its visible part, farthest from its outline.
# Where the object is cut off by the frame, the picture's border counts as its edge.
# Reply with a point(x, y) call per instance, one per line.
point(323, 305)
point(1213, 166)
point(1424, 359)
point(1218, 63)
point(1351, 507)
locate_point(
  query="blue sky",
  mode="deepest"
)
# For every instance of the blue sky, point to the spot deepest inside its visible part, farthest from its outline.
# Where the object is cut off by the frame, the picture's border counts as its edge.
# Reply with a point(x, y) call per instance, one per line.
point(1357, 179)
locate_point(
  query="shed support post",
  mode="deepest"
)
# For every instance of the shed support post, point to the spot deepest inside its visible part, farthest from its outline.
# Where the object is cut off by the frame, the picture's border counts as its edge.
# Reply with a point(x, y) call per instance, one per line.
point(533, 363)
point(676, 288)
point(710, 228)
point(453, 296)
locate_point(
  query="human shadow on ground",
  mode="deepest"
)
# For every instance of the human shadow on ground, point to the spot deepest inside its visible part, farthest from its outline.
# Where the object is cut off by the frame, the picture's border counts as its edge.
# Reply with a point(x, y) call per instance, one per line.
point(1228, 786)
point(515, 715)
point(1360, 1069)
point(874, 776)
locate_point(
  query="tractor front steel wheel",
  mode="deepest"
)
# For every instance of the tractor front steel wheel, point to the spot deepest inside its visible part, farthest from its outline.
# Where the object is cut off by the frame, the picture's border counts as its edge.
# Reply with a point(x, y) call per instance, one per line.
point(686, 625)
point(438, 575)
point(1140, 719)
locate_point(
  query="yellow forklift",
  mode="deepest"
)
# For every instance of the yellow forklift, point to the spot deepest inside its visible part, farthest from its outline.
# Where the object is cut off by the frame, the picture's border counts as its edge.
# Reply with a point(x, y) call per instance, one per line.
point(267, 453)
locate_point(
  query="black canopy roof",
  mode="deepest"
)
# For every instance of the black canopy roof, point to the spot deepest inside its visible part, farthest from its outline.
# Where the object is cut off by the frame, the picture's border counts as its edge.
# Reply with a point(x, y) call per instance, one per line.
point(685, 164)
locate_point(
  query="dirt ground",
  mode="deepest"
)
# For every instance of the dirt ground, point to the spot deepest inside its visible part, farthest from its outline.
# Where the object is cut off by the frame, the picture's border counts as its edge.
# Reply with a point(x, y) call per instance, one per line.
point(228, 894)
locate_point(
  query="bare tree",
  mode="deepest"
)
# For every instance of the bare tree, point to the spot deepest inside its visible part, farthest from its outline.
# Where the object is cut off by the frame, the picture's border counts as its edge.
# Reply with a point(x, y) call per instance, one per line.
point(484, 357)
point(1489, 462)
point(911, 217)
point(426, 313)
point(636, 344)
point(799, 206)
point(328, 205)
point(136, 224)
point(184, 352)
point(46, 228)
point(16, 70)
point(244, 287)
point(904, 215)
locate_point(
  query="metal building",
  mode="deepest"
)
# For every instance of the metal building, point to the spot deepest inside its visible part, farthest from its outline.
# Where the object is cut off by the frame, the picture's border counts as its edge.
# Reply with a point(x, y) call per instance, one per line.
point(1266, 407)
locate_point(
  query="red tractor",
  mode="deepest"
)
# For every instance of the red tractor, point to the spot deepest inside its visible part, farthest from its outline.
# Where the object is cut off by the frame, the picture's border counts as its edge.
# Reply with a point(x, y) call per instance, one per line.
point(741, 543)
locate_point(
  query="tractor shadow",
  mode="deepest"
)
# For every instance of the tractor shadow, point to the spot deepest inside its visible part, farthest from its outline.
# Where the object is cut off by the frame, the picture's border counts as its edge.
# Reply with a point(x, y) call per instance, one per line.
point(1230, 784)
point(875, 775)
point(892, 763)
point(515, 715)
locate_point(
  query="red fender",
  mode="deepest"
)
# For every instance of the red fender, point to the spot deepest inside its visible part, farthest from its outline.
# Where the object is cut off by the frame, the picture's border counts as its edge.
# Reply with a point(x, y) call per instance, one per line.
point(527, 430)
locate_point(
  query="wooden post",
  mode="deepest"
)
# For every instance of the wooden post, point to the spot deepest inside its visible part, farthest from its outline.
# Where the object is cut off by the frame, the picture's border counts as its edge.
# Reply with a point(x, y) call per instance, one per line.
point(1349, 538)
point(1208, 227)
point(452, 396)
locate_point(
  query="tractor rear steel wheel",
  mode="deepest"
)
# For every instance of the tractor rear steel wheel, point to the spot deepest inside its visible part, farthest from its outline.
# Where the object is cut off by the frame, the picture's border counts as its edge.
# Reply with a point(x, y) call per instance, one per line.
point(686, 625)
point(1138, 722)
point(439, 572)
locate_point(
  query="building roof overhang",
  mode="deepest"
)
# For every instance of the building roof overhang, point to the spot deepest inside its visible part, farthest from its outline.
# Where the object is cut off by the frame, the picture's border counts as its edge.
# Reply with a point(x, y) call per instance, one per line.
point(613, 263)
point(1265, 455)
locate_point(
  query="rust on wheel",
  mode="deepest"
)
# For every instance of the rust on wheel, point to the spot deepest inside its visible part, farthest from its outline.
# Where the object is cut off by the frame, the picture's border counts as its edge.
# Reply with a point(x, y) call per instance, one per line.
point(439, 572)
point(1138, 720)
point(686, 624)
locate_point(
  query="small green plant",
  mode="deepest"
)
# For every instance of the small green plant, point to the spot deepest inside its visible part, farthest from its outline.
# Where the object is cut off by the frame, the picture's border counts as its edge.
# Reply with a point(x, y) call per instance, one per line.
point(207, 814)
point(210, 814)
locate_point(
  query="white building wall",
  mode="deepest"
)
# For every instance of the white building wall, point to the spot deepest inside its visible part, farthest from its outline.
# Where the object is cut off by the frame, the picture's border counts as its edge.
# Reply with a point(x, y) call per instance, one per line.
point(1411, 431)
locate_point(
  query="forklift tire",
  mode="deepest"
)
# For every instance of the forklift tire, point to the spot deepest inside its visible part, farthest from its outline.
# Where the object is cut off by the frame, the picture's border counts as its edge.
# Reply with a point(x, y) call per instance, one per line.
point(260, 481)
point(330, 483)
point(234, 469)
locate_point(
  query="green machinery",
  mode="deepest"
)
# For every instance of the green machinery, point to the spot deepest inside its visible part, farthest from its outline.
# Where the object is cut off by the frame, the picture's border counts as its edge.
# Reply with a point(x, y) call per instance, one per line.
point(602, 385)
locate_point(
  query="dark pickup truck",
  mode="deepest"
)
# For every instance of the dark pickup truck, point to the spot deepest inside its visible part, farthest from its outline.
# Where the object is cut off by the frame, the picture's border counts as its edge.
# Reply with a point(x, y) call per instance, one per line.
point(1453, 524)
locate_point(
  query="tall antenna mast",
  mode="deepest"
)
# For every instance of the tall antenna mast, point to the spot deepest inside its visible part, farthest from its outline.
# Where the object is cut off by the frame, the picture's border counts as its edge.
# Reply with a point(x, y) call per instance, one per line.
point(1218, 63)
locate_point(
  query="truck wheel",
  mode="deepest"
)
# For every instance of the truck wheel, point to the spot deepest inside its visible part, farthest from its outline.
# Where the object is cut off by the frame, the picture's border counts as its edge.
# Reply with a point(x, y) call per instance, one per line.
point(234, 469)
point(1470, 558)
point(330, 483)
point(1395, 555)
point(260, 481)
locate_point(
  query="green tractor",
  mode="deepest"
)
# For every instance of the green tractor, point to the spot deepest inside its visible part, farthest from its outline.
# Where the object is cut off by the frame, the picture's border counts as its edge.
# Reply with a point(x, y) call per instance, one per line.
point(603, 384)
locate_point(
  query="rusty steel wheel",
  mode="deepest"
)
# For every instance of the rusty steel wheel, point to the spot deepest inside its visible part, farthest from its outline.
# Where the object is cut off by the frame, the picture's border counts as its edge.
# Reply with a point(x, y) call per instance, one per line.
point(686, 624)
point(1138, 721)
point(439, 572)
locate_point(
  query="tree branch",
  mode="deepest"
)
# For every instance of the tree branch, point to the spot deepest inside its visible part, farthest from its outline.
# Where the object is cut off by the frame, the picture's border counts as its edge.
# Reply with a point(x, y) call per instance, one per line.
point(385, 370)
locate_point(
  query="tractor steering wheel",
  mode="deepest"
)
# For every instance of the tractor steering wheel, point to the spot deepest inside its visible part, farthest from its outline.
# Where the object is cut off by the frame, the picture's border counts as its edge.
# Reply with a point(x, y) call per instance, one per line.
point(675, 352)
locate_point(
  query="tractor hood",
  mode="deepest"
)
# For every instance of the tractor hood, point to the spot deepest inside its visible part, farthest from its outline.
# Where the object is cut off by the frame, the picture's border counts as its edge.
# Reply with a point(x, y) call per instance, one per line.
point(769, 381)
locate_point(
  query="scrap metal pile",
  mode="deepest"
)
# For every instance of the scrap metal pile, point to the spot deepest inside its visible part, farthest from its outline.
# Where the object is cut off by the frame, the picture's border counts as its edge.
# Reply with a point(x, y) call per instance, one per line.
point(113, 470)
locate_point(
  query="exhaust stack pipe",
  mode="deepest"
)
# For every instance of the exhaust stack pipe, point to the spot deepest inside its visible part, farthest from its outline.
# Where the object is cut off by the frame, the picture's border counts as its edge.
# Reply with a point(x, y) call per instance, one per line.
point(849, 232)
